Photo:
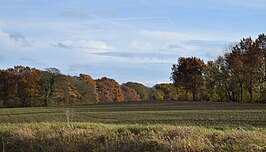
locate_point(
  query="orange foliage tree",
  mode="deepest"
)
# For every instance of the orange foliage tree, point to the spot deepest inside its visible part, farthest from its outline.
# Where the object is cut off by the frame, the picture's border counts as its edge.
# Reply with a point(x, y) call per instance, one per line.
point(109, 90)
point(130, 94)
point(89, 91)
point(20, 86)
point(141, 90)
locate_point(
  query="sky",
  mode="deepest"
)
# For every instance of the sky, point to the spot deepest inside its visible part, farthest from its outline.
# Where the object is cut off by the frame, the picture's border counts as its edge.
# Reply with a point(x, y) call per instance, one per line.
point(127, 40)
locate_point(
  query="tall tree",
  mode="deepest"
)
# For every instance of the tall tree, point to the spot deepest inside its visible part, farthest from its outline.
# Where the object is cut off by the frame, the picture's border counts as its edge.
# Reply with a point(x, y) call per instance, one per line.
point(8, 89)
point(65, 91)
point(236, 64)
point(90, 90)
point(30, 93)
point(188, 73)
point(220, 84)
point(253, 63)
point(48, 79)
point(261, 43)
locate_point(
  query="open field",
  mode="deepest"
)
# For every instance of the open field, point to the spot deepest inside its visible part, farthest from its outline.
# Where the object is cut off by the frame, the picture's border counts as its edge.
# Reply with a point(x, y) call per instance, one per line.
point(207, 114)
point(135, 126)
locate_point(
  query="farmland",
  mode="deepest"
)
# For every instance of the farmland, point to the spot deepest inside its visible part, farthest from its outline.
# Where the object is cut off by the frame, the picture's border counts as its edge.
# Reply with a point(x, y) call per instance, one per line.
point(136, 126)
point(207, 114)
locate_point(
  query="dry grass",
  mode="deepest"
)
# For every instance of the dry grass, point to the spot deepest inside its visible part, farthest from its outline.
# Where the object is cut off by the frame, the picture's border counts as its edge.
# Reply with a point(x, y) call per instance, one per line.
point(102, 137)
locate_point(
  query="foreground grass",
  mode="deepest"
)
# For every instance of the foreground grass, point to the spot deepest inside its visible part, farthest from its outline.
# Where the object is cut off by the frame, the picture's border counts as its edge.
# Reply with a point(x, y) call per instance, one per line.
point(63, 137)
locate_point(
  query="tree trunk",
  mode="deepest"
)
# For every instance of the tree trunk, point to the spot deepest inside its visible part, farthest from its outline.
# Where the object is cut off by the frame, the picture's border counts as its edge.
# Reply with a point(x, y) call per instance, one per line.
point(49, 91)
point(193, 96)
point(250, 91)
point(228, 92)
point(241, 91)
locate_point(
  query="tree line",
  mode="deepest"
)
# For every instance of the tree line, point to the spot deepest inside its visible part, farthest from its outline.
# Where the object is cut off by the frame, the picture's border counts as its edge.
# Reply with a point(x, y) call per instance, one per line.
point(24, 87)
point(239, 75)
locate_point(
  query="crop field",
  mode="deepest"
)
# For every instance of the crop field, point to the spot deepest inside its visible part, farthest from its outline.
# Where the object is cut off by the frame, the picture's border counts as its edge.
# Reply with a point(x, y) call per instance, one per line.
point(135, 126)
point(207, 114)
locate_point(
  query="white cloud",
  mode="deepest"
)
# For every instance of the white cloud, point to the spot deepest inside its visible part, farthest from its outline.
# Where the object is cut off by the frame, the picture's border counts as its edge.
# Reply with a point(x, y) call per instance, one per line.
point(187, 36)
point(18, 41)
point(162, 42)
point(139, 44)
point(90, 45)
point(19, 38)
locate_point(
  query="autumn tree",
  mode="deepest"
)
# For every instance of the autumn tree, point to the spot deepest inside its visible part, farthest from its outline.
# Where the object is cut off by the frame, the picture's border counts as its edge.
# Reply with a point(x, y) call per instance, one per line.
point(261, 44)
point(87, 88)
point(27, 85)
point(171, 92)
point(48, 80)
point(219, 84)
point(130, 94)
point(188, 74)
point(141, 90)
point(253, 64)
point(20, 86)
point(30, 93)
point(245, 63)
point(156, 94)
point(166, 89)
point(109, 90)
point(238, 72)
point(8, 90)
point(65, 92)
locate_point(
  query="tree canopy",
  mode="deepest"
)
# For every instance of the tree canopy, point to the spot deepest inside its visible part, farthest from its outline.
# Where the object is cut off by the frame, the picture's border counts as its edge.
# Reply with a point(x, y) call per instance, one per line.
point(188, 74)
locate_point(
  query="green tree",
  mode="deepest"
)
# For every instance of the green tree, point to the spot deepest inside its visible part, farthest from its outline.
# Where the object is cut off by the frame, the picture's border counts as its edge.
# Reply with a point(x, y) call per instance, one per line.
point(219, 85)
point(155, 94)
point(236, 65)
point(166, 89)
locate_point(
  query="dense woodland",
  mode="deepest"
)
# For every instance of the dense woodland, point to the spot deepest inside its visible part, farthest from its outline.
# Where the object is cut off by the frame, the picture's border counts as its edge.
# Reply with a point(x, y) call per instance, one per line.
point(237, 76)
